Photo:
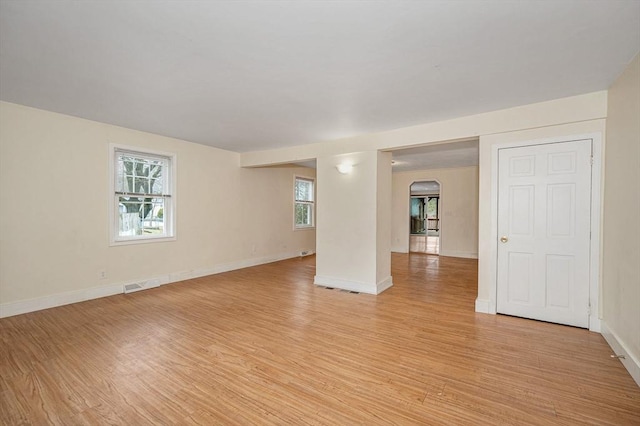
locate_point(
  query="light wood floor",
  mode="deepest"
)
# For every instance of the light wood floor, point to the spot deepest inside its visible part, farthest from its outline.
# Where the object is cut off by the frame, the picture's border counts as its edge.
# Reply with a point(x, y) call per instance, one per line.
point(424, 244)
point(263, 345)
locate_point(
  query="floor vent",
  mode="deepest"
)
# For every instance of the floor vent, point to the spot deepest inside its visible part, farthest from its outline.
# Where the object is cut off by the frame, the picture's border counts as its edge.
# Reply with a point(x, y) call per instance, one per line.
point(142, 285)
point(130, 288)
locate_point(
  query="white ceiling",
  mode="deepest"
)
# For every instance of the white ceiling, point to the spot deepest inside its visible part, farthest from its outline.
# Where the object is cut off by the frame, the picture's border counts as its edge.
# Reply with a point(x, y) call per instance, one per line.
point(257, 75)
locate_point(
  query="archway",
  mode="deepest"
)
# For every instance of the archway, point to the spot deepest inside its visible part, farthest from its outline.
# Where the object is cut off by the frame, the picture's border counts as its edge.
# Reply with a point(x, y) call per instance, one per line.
point(425, 213)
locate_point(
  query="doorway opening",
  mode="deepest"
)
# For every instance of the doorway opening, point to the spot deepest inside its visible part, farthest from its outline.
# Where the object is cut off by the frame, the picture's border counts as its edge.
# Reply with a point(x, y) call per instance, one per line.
point(424, 218)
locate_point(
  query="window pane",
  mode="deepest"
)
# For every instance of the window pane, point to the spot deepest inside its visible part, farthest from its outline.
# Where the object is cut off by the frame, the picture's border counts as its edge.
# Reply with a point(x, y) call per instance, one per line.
point(155, 178)
point(129, 223)
point(416, 204)
point(153, 220)
point(141, 216)
point(432, 208)
point(120, 179)
point(304, 190)
point(139, 174)
point(303, 214)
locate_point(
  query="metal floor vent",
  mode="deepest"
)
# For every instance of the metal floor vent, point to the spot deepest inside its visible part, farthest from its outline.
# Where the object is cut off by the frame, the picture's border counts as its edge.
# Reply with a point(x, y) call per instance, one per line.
point(143, 285)
point(130, 288)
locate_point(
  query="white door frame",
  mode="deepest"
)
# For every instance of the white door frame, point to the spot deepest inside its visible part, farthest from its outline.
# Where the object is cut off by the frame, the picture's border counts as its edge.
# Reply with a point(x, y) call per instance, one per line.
point(596, 194)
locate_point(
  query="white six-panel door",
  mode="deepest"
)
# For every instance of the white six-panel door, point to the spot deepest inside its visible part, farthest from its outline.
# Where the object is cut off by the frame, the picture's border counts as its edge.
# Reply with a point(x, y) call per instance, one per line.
point(544, 213)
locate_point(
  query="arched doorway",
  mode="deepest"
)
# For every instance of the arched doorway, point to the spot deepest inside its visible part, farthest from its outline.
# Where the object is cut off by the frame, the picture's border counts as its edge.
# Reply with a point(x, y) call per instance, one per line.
point(425, 199)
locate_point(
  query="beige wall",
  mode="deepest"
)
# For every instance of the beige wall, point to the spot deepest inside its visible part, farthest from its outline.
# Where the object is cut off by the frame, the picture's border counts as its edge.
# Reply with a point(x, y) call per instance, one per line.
point(621, 248)
point(353, 222)
point(54, 220)
point(459, 209)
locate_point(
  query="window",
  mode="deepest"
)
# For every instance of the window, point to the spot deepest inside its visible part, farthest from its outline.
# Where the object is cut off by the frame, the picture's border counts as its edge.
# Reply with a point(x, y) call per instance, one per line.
point(143, 196)
point(303, 203)
point(432, 207)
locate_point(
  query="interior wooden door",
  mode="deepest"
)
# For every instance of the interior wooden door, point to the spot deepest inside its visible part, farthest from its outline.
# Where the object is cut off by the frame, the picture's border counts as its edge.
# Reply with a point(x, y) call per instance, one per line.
point(544, 213)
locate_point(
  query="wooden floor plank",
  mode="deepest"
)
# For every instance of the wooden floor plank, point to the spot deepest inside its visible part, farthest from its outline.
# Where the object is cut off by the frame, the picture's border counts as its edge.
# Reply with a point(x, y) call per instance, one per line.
point(263, 345)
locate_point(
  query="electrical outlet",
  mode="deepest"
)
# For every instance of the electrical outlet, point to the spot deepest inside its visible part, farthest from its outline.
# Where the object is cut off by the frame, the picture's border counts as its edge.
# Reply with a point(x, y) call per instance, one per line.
point(102, 274)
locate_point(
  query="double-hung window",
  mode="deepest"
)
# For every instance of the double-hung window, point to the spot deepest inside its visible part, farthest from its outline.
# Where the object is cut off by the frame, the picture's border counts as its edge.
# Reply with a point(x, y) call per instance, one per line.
point(304, 203)
point(143, 197)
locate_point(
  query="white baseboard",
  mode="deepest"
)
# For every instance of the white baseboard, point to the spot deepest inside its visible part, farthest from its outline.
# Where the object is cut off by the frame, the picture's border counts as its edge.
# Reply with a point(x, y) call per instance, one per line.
point(231, 266)
point(483, 306)
point(399, 249)
point(23, 306)
point(75, 296)
point(456, 253)
point(359, 286)
point(630, 362)
point(448, 253)
point(384, 284)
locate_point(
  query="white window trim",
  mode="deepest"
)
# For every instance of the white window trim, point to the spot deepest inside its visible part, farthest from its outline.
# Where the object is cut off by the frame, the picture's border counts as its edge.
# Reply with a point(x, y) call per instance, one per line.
point(313, 204)
point(113, 218)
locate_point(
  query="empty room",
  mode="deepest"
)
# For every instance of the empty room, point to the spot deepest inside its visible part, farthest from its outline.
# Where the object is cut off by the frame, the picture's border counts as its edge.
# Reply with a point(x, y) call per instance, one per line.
point(320, 212)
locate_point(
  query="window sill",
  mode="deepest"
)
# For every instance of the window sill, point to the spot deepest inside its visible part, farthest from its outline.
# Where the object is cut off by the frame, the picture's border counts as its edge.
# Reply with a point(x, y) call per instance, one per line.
point(114, 243)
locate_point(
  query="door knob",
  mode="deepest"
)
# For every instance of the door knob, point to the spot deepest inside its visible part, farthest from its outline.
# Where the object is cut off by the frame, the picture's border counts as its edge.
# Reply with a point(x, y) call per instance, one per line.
point(503, 239)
